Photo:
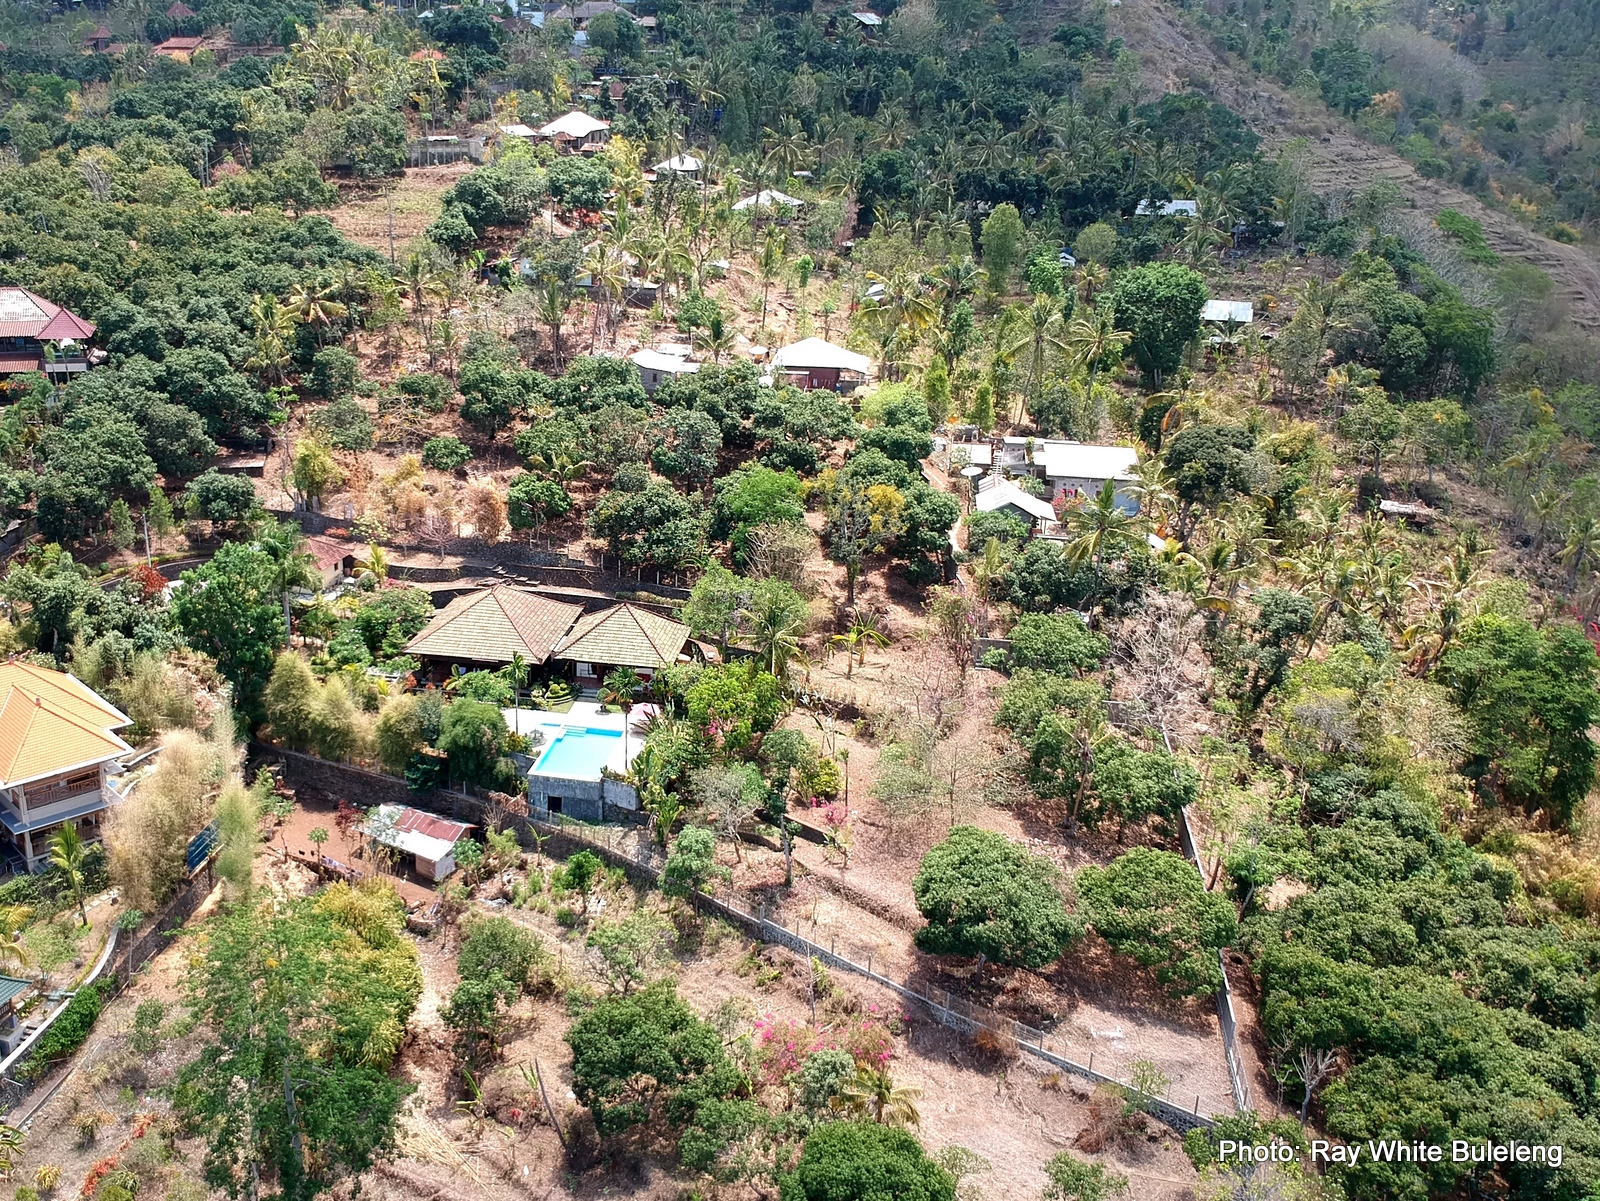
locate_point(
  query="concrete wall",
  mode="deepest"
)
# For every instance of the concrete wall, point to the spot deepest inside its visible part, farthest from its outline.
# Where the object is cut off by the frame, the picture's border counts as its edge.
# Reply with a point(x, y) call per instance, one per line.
point(583, 800)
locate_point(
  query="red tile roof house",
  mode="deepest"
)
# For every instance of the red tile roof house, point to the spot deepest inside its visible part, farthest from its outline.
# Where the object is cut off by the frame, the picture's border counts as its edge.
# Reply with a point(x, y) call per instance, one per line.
point(37, 335)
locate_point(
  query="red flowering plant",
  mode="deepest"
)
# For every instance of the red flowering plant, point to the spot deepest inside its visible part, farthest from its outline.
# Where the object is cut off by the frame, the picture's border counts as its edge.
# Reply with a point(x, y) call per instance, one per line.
point(781, 1045)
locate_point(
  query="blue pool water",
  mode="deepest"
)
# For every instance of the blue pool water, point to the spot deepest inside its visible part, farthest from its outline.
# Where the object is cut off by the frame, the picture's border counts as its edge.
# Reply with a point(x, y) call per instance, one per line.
point(579, 754)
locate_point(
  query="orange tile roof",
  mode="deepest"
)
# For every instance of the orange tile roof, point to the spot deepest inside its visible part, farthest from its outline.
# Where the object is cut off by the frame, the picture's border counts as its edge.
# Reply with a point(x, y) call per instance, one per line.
point(67, 693)
point(488, 626)
point(39, 738)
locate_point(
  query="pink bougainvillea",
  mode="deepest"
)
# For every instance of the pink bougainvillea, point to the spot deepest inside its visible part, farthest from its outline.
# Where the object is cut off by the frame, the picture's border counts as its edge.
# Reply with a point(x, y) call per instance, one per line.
point(782, 1044)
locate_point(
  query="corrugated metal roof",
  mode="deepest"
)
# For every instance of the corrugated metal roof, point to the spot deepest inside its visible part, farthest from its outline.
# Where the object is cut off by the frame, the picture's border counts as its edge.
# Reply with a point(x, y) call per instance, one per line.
point(11, 988)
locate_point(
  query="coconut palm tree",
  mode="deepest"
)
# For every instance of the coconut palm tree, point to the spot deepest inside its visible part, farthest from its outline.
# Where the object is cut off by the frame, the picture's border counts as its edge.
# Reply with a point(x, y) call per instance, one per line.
point(621, 688)
point(1092, 340)
point(67, 854)
point(717, 339)
point(874, 1094)
point(274, 326)
point(315, 306)
point(13, 952)
point(375, 566)
point(292, 567)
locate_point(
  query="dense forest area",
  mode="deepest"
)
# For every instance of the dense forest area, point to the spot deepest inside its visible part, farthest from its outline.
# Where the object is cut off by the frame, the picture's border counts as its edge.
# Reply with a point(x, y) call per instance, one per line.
point(390, 312)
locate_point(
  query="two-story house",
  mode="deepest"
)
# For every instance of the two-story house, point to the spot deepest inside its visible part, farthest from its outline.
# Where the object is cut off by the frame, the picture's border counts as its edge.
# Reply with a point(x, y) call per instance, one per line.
point(58, 753)
point(37, 335)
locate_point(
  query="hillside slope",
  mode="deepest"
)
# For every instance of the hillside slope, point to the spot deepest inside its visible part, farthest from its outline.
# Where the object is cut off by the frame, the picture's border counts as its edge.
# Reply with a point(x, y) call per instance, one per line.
point(1176, 57)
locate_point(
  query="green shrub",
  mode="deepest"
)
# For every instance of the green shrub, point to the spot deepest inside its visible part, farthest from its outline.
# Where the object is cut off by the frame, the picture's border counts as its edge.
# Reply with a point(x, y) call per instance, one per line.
point(70, 1030)
point(446, 453)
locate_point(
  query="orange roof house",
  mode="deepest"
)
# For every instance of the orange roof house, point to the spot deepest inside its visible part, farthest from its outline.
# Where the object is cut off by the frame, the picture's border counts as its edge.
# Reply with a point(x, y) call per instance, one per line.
point(179, 48)
point(58, 745)
point(179, 11)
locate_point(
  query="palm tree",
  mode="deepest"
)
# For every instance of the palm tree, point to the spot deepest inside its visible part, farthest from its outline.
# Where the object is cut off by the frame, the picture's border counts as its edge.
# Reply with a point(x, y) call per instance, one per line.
point(774, 631)
point(315, 306)
point(67, 852)
point(517, 675)
point(866, 628)
point(554, 301)
point(768, 265)
point(621, 688)
point(1582, 547)
point(13, 952)
point(274, 326)
point(873, 1093)
point(1100, 525)
point(1039, 335)
point(608, 270)
point(1091, 340)
point(717, 339)
point(375, 566)
point(292, 567)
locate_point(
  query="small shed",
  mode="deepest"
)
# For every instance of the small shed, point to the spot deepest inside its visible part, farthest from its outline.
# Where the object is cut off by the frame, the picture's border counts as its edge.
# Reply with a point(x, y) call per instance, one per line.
point(768, 198)
point(656, 368)
point(679, 164)
point(12, 991)
point(335, 560)
point(428, 840)
point(996, 494)
point(519, 132)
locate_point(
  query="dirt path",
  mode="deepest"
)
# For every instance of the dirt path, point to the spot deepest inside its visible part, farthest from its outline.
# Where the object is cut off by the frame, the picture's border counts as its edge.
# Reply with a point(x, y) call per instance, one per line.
point(1178, 58)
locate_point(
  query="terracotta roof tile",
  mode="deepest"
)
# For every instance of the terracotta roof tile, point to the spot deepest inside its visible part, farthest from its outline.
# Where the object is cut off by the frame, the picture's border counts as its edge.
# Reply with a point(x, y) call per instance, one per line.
point(38, 738)
point(66, 692)
point(489, 626)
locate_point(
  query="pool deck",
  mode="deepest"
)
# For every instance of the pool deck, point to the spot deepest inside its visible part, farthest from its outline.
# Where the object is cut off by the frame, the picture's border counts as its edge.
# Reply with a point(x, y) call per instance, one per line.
point(584, 715)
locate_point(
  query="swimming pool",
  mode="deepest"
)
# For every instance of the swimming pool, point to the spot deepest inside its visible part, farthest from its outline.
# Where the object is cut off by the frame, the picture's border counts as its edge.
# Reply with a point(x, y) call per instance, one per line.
point(579, 754)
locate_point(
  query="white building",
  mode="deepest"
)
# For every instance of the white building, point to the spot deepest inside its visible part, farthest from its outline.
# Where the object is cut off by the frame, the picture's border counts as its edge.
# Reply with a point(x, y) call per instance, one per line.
point(768, 198)
point(1236, 312)
point(656, 367)
point(429, 840)
point(1079, 468)
point(679, 164)
point(577, 132)
point(1167, 208)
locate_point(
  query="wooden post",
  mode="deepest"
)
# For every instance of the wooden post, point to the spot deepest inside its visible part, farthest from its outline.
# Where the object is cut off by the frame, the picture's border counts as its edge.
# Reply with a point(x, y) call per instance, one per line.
point(560, 1134)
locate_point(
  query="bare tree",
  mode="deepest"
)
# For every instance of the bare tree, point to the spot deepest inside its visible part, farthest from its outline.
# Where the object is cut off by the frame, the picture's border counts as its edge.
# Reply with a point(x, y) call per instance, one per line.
point(1316, 1065)
point(1158, 669)
point(435, 532)
point(729, 800)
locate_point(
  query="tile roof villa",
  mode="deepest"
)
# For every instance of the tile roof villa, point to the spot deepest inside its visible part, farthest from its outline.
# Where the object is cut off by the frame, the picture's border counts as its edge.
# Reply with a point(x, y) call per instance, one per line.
point(27, 322)
point(58, 745)
point(622, 636)
point(492, 625)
